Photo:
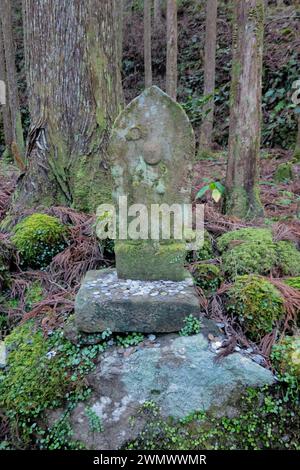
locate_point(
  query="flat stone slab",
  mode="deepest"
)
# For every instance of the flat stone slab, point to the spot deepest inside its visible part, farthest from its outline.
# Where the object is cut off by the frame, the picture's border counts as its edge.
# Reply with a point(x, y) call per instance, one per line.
point(125, 305)
point(180, 374)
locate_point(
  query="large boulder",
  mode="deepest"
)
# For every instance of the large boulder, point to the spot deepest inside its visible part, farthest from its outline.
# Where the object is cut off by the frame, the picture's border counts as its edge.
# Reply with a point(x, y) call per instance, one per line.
point(179, 374)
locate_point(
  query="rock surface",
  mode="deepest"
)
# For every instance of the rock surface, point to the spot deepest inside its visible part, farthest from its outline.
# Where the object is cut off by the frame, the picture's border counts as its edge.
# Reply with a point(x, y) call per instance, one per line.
point(180, 374)
point(3, 355)
point(104, 301)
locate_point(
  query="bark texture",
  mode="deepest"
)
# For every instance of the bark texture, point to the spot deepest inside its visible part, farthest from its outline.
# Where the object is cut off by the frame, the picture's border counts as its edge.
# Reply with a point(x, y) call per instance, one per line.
point(6, 117)
point(297, 148)
point(157, 12)
point(72, 53)
point(147, 43)
point(172, 49)
point(242, 198)
point(209, 73)
point(17, 144)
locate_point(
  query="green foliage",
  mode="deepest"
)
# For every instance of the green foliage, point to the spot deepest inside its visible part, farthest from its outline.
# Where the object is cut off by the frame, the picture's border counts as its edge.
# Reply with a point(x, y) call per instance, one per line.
point(38, 238)
point(194, 107)
point(208, 277)
point(257, 304)
point(95, 423)
point(217, 190)
point(293, 282)
point(192, 326)
point(42, 373)
point(205, 252)
point(132, 339)
point(280, 125)
point(57, 437)
point(284, 173)
point(267, 420)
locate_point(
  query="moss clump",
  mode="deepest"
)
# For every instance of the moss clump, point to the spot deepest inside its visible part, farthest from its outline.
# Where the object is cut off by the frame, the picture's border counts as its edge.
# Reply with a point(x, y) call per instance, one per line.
point(286, 356)
point(248, 258)
point(33, 380)
point(288, 258)
point(293, 282)
point(261, 236)
point(38, 238)
point(252, 250)
point(257, 304)
point(41, 373)
point(208, 277)
point(284, 173)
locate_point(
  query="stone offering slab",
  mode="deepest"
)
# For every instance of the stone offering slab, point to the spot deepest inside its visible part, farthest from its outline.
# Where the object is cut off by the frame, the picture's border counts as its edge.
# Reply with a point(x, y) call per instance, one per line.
point(125, 305)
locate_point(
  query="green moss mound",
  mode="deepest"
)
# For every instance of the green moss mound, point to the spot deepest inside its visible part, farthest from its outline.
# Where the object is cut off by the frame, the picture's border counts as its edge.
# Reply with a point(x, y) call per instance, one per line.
point(249, 257)
point(286, 355)
point(260, 236)
point(34, 379)
point(252, 251)
point(208, 277)
point(257, 304)
point(288, 258)
point(38, 238)
point(42, 373)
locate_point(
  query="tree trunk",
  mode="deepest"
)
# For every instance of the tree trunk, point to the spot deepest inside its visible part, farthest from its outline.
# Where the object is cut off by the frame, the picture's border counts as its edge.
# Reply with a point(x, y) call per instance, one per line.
point(245, 110)
point(157, 12)
point(172, 49)
point(17, 147)
point(297, 148)
point(6, 117)
point(209, 73)
point(72, 54)
point(147, 43)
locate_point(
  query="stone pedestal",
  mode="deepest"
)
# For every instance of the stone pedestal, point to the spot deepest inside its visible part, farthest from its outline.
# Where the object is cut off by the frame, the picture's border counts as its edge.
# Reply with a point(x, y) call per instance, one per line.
point(125, 305)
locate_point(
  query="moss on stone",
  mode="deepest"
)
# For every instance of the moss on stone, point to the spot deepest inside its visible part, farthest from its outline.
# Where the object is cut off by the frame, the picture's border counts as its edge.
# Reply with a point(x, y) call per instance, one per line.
point(38, 238)
point(150, 261)
point(257, 304)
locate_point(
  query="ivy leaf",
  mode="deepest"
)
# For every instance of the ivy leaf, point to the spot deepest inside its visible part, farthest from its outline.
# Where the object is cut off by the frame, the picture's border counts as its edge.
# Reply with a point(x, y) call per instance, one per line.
point(202, 191)
point(216, 195)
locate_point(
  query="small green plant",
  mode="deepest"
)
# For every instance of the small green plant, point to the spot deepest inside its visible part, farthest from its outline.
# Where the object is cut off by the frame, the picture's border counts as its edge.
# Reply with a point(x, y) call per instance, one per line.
point(192, 326)
point(215, 187)
point(38, 238)
point(132, 339)
point(95, 422)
